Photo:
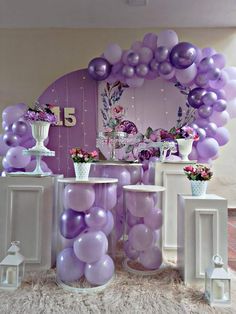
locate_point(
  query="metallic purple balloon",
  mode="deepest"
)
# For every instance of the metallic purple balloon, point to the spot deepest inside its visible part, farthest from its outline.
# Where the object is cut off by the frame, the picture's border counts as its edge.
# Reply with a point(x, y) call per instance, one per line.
point(161, 54)
point(205, 111)
point(100, 272)
point(201, 79)
point(11, 139)
point(165, 68)
point(183, 55)
point(128, 71)
point(195, 97)
point(213, 74)
point(69, 267)
point(141, 70)
point(71, 223)
point(99, 69)
point(133, 58)
point(96, 218)
point(209, 98)
point(206, 64)
point(19, 128)
point(220, 105)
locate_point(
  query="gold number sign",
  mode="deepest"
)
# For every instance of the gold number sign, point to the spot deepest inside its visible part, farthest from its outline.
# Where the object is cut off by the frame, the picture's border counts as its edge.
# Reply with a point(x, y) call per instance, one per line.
point(69, 116)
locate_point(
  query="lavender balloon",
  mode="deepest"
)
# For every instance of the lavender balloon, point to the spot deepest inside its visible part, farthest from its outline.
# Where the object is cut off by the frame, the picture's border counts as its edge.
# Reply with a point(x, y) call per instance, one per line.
point(214, 74)
point(133, 220)
point(107, 229)
point(19, 128)
point(153, 219)
point(140, 237)
point(96, 218)
point(141, 70)
point(208, 148)
point(71, 223)
point(201, 133)
point(139, 204)
point(99, 69)
point(16, 159)
point(210, 129)
point(195, 97)
point(206, 64)
point(167, 38)
point(209, 98)
point(145, 54)
point(150, 40)
point(100, 272)
point(219, 60)
point(161, 54)
point(130, 252)
point(219, 118)
point(165, 68)
point(69, 267)
point(151, 258)
point(205, 111)
point(133, 58)
point(154, 65)
point(11, 139)
point(183, 55)
point(201, 79)
point(79, 197)
point(220, 105)
point(128, 71)
point(105, 195)
point(90, 246)
point(222, 136)
point(220, 82)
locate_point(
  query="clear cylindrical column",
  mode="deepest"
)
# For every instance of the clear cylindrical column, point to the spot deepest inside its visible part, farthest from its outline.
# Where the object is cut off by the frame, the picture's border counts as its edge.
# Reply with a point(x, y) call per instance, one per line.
point(142, 235)
point(85, 225)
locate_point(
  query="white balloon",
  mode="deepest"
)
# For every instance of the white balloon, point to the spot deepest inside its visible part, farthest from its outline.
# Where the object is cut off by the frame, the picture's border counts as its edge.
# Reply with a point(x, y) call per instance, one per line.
point(113, 53)
point(231, 108)
point(187, 75)
point(167, 38)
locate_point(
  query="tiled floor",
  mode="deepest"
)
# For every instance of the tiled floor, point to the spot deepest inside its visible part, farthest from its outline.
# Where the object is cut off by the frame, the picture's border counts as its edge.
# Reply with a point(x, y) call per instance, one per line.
point(232, 238)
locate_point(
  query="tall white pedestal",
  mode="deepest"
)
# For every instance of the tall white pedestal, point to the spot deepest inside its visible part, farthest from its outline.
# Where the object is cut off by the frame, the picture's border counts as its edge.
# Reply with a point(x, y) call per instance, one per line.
point(172, 177)
point(26, 214)
point(202, 233)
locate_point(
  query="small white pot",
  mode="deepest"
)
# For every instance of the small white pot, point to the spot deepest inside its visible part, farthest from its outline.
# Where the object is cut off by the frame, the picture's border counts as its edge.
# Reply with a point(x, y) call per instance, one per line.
point(82, 170)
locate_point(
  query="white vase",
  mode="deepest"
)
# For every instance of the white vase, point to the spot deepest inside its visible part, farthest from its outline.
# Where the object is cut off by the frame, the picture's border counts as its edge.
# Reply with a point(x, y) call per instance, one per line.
point(40, 131)
point(198, 187)
point(185, 148)
point(82, 170)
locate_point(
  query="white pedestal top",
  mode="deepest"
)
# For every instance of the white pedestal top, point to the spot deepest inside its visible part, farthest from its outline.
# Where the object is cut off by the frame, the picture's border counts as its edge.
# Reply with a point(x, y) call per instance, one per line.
point(89, 181)
point(204, 197)
point(116, 163)
point(144, 188)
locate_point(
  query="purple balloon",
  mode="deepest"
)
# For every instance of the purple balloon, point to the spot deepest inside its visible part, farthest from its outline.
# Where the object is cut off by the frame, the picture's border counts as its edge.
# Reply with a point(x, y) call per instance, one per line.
point(105, 195)
point(165, 68)
point(151, 258)
point(135, 174)
point(206, 64)
point(210, 129)
point(208, 52)
point(140, 237)
point(153, 219)
point(19, 128)
point(220, 105)
point(222, 136)
point(135, 81)
point(145, 54)
point(220, 82)
point(201, 79)
point(161, 54)
point(3, 146)
point(128, 71)
point(208, 148)
point(69, 267)
point(100, 272)
point(209, 98)
point(183, 55)
point(96, 218)
point(90, 246)
point(201, 133)
point(130, 252)
point(214, 74)
point(141, 70)
point(133, 220)
point(99, 69)
point(118, 172)
point(79, 197)
point(139, 204)
point(11, 139)
point(32, 165)
point(11, 114)
point(205, 111)
point(107, 229)
point(195, 97)
point(71, 223)
point(133, 58)
point(16, 159)
point(202, 123)
point(219, 118)
point(150, 40)
point(154, 65)
point(219, 60)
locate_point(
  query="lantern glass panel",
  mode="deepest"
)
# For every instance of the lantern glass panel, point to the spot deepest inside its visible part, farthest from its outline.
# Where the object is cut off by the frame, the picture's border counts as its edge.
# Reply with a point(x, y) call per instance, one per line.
point(221, 290)
point(207, 287)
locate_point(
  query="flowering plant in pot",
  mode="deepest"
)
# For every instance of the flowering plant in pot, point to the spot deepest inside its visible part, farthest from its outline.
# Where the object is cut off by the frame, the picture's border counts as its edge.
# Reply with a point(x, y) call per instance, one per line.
point(198, 175)
point(82, 162)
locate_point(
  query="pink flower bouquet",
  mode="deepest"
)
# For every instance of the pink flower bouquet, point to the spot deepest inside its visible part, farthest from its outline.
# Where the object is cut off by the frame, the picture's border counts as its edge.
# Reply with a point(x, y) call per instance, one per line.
point(198, 172)
point(79, 155)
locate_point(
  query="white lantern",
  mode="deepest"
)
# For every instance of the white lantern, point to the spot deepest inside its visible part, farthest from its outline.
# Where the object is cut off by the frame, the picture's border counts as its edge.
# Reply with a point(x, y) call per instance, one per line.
point(12, 268)
point(217, 284)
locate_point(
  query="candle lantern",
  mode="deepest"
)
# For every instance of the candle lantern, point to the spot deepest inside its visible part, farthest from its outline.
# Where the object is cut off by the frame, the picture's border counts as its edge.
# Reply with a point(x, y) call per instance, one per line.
point(217, 283)
point(12, 268)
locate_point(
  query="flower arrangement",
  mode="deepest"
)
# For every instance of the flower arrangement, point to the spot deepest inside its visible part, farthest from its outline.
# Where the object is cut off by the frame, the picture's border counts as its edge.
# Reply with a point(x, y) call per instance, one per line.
point(184, 132)
point(79, 155)
point(198, 172)
point(41, 113)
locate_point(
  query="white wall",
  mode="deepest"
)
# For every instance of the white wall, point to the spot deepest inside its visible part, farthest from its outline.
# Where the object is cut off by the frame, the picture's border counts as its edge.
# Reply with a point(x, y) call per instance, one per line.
point(30, 59)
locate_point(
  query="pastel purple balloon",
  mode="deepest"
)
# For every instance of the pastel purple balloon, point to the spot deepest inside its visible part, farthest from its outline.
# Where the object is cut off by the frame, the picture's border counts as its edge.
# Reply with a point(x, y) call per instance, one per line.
point(32, 165)
point(140, 237)
point(208, 148)
point(167, 38)
point(201, 122)
point(136, 46)
point(71, 223)
point(210, 129)
point(130, 252)
point(201, 133)
point(209, 98)
point(206, 64)
point(99, 69)
point(213, 74)
point(220, 82)
point(119, 226)
point(201, 79)
point(11, 139)
point(133, 220)
point(69, 267)
point(219, 60)
point(118, 172)
point(107, 229)
point(205, 111)
point(113, 53)
point(151, 258)
point(153, 219)
point(195, 97)
point(96, 218)
point(154, 66)
point(3, 146)
point(133, 58)
point(208, 52)
point(11, 114)
point(135, 81)
point(100, 272)
point(222, 136)
point(145, 54)
point(141, 70)
point(183, 55)
point(161, 53)
point(219, 118)
point(90, 246)
point(15, 157)
point(19, 128)
point(165, 68)
point(135, 174)
point(139, 204)
point(128, 71)
point(105, 195)
point(220, 105)
point(150, 40)
point(194, 154)
point(79, 197)
point(186, 76)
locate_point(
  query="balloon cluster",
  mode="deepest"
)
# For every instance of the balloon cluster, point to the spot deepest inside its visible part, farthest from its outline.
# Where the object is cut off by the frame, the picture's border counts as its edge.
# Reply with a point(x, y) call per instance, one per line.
point(144, 221)
point(84, 226)
point(17, 136)
point(125, 175)
point(212, 85)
